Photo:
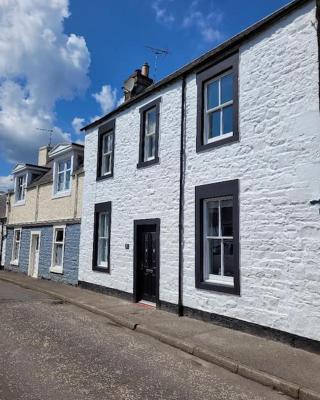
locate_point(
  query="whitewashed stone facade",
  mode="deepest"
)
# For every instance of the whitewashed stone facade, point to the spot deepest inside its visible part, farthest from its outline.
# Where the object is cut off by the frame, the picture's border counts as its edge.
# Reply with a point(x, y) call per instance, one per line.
point(277, 163)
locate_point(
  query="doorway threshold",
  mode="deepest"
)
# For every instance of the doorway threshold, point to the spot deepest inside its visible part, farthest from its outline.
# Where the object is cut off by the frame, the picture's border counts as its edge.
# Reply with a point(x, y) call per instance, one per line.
point(147, 304)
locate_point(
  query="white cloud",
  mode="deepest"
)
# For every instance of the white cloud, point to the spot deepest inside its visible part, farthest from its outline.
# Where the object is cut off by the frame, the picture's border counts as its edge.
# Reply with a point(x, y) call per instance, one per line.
point(208, 24)
point(77, 124)
point(6, 183)
point(39, 65)
point(107, 98)
point(162, 13)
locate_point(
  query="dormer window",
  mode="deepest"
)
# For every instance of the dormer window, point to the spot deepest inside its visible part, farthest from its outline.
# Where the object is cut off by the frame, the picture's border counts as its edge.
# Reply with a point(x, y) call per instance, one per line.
point(63, 176)
point(21, 183)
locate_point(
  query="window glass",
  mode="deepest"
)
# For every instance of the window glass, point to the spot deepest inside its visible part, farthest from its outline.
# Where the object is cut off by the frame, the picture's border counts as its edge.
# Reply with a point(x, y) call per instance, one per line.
point(58, 247)
point(214, 124)
point(107, 150)
point(16, 245)
point(149, 135)
point(227, 119)
point(226, 88)
point(151, 121)
point(63, 176)
point(213, 218)
point(226, 218)
point(213, 95)
point(228, 257)
point(59, 235)
point(103, 239)
point(214, 256)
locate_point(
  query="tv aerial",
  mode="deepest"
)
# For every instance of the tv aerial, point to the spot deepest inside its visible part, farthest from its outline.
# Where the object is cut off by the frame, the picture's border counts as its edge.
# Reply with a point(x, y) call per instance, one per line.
point(50, 131)
point(157, 53)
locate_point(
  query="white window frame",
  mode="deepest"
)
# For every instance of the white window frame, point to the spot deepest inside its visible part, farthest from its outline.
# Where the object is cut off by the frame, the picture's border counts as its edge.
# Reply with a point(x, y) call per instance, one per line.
point(105, 153)
point(57, 269)
point(15, 261)
point(211, 278)
point(21, 201)
point(64, 192)
point(146, 134)
point(220, 107)
point(104, 264)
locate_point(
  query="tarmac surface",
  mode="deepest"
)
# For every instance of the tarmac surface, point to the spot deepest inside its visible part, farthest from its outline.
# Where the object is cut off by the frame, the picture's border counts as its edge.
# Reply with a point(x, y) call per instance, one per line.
point(51, 350)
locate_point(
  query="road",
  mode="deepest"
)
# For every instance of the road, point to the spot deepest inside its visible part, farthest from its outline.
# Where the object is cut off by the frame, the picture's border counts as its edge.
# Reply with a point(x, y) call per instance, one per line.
point(50, 350)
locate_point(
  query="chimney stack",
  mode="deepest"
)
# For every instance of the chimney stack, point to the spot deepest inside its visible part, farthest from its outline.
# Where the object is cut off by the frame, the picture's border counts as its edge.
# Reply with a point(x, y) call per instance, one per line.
point(43, 156)
point(137, 82)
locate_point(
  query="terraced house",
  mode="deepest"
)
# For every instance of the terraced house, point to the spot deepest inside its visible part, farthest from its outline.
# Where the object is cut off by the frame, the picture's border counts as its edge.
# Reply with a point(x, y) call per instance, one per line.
point(44, 215)
point(202, 189)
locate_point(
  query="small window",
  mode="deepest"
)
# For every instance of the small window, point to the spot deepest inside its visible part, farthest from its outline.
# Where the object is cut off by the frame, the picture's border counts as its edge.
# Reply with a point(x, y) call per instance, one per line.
point(102, 229)
point(217, 106)
point(217, 237)
point(63, 176)
point(149, 134)
point(16, 246)
point(21, 183)
point(58, 249)
point(105, 155)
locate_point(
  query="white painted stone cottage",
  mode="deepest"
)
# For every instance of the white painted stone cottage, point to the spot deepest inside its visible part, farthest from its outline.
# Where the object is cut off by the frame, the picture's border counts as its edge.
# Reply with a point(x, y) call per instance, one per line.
point(201, 190)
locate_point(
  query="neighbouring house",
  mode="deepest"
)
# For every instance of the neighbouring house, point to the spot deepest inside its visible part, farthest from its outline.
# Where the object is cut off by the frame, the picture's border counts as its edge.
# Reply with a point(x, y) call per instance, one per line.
point(202, 189)
point(44, 215)
point(3, 220)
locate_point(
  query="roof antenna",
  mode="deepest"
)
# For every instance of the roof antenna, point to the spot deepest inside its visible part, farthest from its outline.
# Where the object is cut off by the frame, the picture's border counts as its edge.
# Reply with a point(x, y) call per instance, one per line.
point(50, 131)
point(157, 52)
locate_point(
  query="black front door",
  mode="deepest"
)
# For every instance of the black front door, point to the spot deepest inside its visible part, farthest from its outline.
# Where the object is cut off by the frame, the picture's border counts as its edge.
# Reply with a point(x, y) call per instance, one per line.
point(146, 262)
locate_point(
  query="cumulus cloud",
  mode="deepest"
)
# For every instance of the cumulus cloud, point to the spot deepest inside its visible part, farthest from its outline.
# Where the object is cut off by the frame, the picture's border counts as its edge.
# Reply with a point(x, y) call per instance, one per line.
point(39, 65)
point(162, 13)
point(208, 24)
point(6, 183)
point(106, 98)
point(77, 124)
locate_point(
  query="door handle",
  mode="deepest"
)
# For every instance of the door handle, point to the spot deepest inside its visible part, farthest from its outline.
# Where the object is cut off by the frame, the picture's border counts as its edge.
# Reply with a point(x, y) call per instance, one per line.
point(149, 270)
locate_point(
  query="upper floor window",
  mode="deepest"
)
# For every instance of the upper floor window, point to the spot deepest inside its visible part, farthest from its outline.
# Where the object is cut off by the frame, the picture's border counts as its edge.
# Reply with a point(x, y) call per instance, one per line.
point(106, 150)
point(21, 184)
point(217, 108)
point(63, 172)
point(217, 237)
point(149, 134)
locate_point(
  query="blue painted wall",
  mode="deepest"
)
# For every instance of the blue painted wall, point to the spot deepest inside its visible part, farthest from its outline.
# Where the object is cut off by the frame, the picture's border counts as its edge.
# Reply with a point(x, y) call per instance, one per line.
point(71, 253)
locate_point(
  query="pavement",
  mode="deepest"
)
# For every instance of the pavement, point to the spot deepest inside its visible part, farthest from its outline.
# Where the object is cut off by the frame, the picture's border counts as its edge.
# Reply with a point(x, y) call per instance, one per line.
point(292, 371)
point(52, 350)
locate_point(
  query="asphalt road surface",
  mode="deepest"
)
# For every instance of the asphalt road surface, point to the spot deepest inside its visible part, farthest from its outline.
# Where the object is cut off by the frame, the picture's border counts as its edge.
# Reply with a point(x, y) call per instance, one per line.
point(55, 351)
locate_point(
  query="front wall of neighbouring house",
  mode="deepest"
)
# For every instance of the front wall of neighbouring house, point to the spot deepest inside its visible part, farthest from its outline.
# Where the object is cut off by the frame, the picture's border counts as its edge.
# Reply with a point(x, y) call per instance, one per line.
point(151, 192)
point(71, 252)
point(278, 167)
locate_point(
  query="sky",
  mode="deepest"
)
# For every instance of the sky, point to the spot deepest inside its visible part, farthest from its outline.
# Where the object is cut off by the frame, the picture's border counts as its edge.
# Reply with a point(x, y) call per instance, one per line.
point(63, 62)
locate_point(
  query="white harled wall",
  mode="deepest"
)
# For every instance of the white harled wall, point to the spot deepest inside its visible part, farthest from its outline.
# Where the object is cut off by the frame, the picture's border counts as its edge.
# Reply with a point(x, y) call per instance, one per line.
point(151, 192)
point(277, 162)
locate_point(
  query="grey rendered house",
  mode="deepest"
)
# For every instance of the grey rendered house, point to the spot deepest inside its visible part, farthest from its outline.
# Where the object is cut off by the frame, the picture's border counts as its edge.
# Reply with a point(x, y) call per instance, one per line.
point(202, 189)
point(44, 215)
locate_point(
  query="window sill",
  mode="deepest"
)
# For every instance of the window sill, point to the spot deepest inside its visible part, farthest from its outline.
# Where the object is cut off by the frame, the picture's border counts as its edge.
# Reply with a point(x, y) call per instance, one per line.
point(56, 270)
point(218, 287)
point(61, 194)
point(106, 270)
point(218, 142)
point(143, 164)
point(19, 203)
point(103, 177)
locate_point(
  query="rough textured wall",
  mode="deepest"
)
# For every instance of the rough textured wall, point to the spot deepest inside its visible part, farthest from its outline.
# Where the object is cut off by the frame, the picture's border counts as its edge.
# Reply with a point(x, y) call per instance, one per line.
point(277, 163)
point(71, 253)
point(151, 192)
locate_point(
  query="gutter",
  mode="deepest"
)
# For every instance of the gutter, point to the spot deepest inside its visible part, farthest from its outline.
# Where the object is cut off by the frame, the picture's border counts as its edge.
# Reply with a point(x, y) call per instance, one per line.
point(181, 194)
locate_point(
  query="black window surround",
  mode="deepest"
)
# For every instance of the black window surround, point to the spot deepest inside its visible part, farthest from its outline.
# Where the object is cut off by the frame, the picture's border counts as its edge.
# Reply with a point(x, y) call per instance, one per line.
point(202, 193)
point(228, 64)
point(99, 208)
point(143, 110)
point(109, 128)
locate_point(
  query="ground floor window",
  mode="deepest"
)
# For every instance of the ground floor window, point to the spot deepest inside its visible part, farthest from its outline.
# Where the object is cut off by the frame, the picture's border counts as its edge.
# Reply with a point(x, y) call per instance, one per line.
point(102, 230)
point(16, 246)
point(217, 237)
point(58, 249)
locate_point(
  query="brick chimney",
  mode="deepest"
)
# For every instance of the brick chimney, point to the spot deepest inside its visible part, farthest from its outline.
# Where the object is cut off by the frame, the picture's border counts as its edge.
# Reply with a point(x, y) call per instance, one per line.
point(137, 82)
point(43, 156)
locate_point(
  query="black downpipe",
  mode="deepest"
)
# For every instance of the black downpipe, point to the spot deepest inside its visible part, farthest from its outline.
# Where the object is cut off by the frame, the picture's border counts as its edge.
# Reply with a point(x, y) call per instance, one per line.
point(181, 195)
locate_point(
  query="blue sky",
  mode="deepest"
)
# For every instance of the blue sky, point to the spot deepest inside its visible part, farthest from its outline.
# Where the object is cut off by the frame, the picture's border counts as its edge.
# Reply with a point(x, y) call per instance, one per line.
point(71, 58)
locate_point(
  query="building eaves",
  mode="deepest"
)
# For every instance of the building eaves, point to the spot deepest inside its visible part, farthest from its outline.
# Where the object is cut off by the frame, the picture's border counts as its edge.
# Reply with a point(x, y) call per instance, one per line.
point(202, 60)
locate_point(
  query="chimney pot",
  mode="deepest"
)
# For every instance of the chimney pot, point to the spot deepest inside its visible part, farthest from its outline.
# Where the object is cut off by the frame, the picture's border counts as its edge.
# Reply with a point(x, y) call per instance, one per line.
point(145, 70)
